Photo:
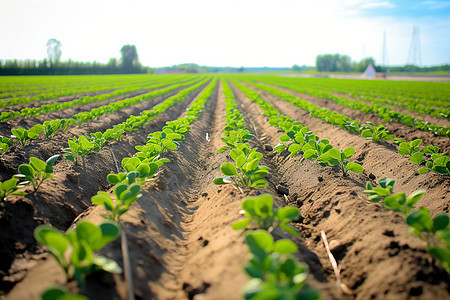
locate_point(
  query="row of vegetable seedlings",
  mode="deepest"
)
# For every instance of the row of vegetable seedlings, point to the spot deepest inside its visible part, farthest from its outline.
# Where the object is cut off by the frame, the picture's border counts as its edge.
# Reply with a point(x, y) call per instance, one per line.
point(298, 139)
point(387, 114)
point(49, 128)
point(53, 95)
point(84, 145)
point(429, 156)
point(422, 97)
point(274, 272)
point(81, 242)
point(434, 231)
point(56, 106)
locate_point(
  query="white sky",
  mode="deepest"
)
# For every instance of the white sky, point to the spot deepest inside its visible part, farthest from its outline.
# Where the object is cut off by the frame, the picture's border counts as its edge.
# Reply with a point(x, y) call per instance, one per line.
point(250, 33)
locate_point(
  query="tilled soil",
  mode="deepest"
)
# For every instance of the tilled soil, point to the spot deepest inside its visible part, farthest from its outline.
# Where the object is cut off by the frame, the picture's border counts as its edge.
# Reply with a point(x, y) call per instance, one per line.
point(179, 233)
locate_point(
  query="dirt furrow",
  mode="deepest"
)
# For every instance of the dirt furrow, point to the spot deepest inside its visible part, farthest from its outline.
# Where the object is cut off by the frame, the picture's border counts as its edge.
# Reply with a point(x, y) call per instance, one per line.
point(377, 255)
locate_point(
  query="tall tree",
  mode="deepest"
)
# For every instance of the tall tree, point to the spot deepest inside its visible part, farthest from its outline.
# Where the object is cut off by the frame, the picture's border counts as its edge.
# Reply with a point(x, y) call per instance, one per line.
point(53, 51)
point(130, 60)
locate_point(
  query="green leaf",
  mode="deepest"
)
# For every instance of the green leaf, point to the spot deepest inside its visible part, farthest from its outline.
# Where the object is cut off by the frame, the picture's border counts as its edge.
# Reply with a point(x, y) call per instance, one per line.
point(288, 212)
point(394, 202)
point(259, 183)
point(285, 246)
point(219, 181)
point(354, 167)
point(416, 158)
point(423, 170)
point(241, 224)
point(228, 169)
point(414, 197)
point(38, 164)
point(440, 222)
point(348, 152)
point(107, 264)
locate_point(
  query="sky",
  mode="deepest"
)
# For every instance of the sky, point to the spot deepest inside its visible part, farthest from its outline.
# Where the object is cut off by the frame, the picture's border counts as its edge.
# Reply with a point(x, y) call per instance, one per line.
point(250, 33)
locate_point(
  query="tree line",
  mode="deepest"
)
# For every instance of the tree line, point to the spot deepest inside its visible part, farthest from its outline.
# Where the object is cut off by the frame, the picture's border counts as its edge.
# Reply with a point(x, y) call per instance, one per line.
point(343, 63)
point(129, 63)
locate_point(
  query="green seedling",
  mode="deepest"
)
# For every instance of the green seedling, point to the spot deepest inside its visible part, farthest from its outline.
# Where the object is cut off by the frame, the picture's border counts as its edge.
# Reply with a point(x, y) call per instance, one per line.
point(74, 250)
point(10, 187)
point(315, 149)
point(147, 170)
point(59, 292)
point(166, 140)
point(151, 153)
point(240, 136)
point(377, 194)
point(439, 163)
point(37, 171)
point(275, 273)
point(409, 148)
point(260, 210)
point(434, 231)
point(81, 146)
point(25, 136)
point(246, 171)
point(334, 157)
point(396, 202)
point(124, 193)
point(5, 144)
point(376, 133)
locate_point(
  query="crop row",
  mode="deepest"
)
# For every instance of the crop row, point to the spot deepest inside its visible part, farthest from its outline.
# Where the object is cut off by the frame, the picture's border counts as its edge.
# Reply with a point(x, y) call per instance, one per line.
point(422, 97)
point(298, 139)
point(46, 108)
point(273, 270)
point(387, 114)
point(25, 136)
point(431, 158)
point(35, 85)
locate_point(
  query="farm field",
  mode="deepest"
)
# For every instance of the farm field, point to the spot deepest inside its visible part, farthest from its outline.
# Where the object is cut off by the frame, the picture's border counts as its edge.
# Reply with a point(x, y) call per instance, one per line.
point(187, 150)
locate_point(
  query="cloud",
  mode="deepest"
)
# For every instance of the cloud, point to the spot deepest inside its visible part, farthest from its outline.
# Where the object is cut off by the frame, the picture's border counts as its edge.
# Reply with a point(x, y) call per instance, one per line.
point(436, 4)
point(377, 4)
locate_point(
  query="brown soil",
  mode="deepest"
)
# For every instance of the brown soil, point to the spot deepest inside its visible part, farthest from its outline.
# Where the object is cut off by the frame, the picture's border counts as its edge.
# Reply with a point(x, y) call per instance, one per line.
point(179, 233)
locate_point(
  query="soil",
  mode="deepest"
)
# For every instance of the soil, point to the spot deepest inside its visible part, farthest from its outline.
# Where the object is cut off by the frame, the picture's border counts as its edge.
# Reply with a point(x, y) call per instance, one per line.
point(179, 233)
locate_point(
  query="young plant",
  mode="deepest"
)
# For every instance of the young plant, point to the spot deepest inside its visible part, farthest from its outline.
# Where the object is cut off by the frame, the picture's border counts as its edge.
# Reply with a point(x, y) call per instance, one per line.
point(10, 187)
point(37, 171)
point(275, 273)
point(409, 148)
point(5, 144)
point(144, 169)
point(81, 146)
point(334, 157)
point(315, 149)
point(260, 210)
point(74, 250)
point(240, 136)
point(434, 231)
point(166, 140)
point(246, 170)
point(125, 193)
point(25, 136)
point(376, 133)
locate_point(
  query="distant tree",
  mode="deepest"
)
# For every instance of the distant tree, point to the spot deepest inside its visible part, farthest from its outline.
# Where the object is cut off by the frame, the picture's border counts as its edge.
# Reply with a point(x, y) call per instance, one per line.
point(53, 51)
point(130, 60)
point(296, 68)
point(334, 63)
